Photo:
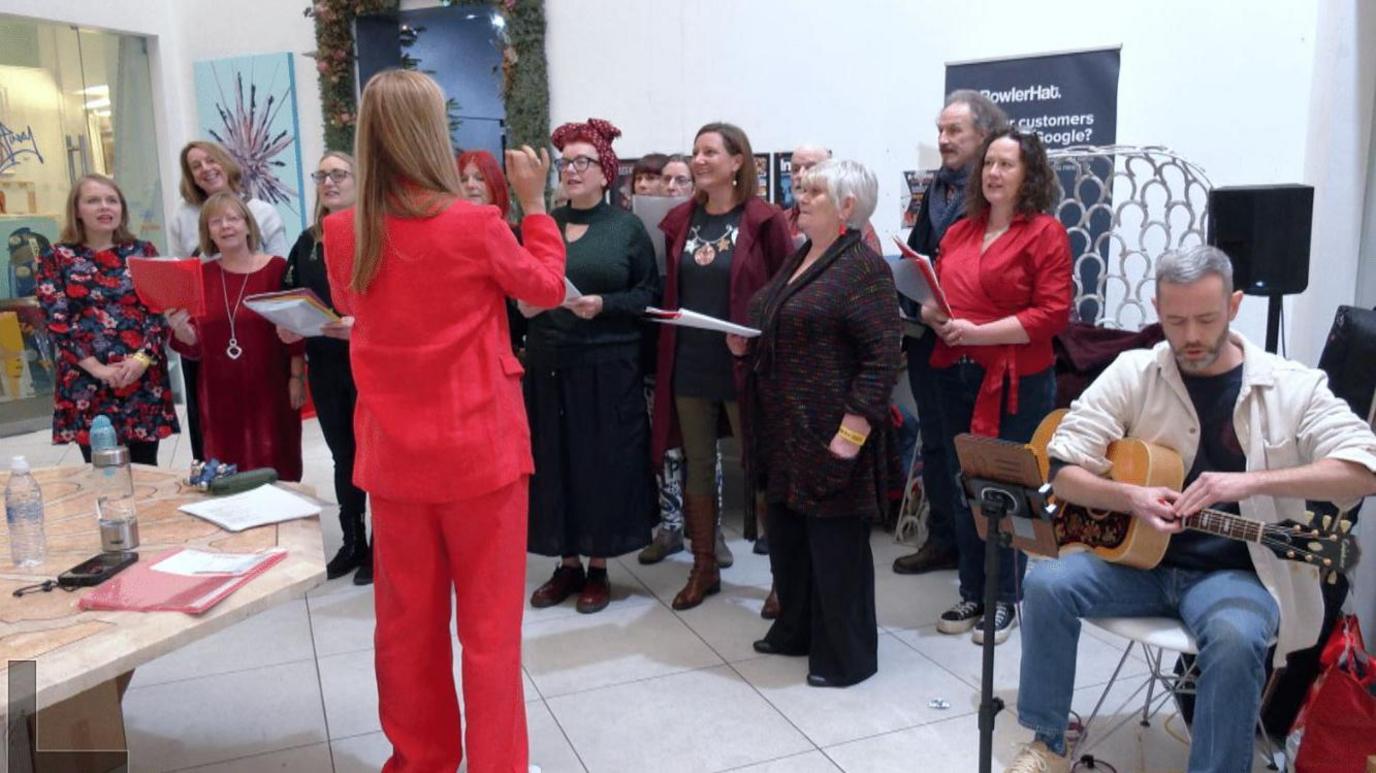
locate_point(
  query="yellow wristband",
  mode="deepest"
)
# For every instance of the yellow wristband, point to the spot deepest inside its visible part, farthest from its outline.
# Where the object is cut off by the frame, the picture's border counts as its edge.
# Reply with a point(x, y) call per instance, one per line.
point(851, 436)
point(144, 358)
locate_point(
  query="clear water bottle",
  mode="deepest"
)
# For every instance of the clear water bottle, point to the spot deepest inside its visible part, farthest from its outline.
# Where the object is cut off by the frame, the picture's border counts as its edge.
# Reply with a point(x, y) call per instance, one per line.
point(24, 515)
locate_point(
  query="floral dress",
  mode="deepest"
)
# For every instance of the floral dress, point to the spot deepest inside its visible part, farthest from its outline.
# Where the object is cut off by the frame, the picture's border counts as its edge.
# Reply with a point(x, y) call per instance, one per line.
point(92, 311)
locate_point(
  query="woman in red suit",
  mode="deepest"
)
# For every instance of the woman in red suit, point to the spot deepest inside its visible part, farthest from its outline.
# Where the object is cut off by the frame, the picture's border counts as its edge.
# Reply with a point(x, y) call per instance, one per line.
point(443, 444)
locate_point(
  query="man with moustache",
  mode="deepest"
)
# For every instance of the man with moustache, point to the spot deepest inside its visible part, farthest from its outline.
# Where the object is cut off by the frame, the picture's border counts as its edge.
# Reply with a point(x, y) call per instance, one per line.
point(966, 120)
point(1259, 435)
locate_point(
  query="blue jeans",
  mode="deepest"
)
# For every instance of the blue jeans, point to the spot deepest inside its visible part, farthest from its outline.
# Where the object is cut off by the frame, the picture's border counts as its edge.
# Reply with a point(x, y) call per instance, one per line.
point(936, 476)
point(1230, 613)
point(1036, 397)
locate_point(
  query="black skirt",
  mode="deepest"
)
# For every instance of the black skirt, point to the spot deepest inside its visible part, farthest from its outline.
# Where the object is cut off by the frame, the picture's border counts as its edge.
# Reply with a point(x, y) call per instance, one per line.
point(593, 491)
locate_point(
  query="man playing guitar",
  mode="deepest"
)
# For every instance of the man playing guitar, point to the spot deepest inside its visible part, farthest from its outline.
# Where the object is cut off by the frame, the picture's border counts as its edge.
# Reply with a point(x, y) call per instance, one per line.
point(1258, 435)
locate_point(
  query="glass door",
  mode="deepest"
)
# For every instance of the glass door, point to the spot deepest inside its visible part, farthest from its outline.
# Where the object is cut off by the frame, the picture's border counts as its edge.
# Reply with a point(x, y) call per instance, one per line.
point(72, 102)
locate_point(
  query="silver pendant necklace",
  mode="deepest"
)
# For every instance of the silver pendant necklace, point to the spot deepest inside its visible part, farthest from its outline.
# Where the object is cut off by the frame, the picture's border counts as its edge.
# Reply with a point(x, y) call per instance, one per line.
point(233, 349)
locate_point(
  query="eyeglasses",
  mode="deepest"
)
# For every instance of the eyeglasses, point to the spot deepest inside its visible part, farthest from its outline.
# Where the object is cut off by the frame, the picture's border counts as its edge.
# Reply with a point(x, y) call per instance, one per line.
point(222, 220)
point(680, 180)
point(338, 175)
point(580, 164)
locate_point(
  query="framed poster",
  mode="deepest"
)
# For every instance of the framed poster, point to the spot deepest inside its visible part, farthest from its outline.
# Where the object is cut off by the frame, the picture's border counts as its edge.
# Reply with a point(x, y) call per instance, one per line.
point(783, 180)
point(248, 105)
point(762, 175)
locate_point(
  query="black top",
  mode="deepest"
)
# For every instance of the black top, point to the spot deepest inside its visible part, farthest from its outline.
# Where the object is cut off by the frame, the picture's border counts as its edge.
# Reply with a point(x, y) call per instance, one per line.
point(703, 365)
point(615, 259)
point(1214, 399)
point(306, 269)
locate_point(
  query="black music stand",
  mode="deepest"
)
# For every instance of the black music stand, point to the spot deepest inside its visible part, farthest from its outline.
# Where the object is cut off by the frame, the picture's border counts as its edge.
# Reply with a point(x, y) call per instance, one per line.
point(1004, 486)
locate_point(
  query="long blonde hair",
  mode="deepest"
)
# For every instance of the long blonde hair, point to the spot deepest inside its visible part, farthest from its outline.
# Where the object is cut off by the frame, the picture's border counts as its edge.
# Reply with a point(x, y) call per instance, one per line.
point(405, 161)
point(318, 224)
point(190, 190)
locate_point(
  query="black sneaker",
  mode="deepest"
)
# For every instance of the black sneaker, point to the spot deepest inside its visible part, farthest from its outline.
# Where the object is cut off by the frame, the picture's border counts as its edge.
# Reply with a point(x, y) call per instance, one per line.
point(961, 617)
point(1005, 617)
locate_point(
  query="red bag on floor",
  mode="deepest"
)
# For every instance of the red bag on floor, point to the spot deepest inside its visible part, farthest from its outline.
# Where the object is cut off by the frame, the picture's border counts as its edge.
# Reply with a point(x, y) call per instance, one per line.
point(1337, 725)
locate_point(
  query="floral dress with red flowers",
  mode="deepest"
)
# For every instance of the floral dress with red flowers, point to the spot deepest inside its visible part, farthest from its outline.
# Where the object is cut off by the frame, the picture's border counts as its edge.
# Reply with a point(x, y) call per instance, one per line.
point(92, 311)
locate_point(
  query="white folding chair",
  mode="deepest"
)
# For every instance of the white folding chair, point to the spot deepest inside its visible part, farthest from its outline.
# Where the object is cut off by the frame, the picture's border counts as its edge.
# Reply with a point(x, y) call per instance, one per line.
point(1155, 636)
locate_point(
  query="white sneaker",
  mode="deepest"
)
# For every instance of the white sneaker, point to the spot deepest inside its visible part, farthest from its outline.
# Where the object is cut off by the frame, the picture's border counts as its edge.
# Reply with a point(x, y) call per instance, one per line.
point(1005, 619)
point(960, 618)
point(1036, 758)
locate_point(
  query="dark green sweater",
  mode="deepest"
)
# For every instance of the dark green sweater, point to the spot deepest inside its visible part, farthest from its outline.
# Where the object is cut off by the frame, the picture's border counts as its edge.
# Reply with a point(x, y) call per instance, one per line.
point(614, 259)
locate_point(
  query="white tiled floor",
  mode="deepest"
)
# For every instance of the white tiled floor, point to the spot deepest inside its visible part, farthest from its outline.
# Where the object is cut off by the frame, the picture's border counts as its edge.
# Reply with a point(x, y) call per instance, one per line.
point(637, 687)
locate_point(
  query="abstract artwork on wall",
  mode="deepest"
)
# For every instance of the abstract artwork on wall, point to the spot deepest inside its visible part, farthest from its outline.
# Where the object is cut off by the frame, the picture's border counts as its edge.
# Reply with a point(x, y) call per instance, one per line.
point(248, 105)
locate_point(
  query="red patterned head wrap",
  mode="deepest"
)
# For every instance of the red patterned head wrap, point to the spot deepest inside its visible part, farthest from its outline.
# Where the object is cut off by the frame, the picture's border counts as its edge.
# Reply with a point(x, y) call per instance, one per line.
point(595, 132)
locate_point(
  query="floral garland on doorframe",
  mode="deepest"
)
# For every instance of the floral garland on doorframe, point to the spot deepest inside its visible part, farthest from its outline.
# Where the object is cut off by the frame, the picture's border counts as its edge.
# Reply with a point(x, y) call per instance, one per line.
point(525, 77)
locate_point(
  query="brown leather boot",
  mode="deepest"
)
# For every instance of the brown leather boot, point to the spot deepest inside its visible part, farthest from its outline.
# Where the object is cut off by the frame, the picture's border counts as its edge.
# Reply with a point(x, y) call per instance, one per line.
point(700, 521)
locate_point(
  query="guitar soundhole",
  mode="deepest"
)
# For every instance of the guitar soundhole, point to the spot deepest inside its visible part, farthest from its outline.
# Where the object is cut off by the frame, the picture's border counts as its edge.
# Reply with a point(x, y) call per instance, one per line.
point(1099, 530)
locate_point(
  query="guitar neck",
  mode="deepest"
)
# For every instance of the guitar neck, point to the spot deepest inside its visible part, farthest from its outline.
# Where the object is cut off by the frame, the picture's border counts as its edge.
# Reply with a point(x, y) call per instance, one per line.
point(1223, 524)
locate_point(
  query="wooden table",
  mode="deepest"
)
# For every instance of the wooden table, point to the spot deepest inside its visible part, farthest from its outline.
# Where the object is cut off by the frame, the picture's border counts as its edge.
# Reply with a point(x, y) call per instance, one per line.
point(86, 658)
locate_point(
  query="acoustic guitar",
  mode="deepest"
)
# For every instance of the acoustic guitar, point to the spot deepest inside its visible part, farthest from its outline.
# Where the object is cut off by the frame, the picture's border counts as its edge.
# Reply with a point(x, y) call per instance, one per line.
point(1121, 538)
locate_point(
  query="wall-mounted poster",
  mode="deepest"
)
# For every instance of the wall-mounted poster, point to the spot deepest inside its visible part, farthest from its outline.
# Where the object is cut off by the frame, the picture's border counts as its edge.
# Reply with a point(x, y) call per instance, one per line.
point(622, 189)
point(762, 175)
point(915, 183)
point(783, 180)
point(248, 105)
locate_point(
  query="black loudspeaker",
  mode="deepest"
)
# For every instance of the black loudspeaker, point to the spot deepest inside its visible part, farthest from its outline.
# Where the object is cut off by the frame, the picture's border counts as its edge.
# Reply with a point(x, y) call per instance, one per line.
point(1265, 229)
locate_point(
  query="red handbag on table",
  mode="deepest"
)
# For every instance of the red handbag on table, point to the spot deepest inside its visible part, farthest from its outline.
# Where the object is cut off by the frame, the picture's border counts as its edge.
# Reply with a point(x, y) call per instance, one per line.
point(1337, 725)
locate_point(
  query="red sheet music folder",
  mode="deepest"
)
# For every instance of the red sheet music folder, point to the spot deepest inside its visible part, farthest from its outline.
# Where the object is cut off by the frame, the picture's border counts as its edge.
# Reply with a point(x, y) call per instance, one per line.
point(164, 284)
point(141, 589)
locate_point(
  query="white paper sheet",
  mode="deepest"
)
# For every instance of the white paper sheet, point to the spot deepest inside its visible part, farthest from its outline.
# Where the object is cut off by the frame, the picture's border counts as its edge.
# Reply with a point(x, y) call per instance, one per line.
point(295, 314)
point(257, 507)
point(190, 562)
point(690, 318)
point(910, 281)
point(571, 293)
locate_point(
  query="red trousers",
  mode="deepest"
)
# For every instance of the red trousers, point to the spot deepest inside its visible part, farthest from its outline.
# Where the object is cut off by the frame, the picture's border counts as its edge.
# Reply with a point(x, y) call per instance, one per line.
point(421, 552)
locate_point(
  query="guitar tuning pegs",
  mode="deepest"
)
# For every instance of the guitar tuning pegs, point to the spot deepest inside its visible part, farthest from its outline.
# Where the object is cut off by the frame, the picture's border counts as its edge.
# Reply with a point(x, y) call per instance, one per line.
point(1308, 516)
point(1328, 562)
point(1345, 525)
point(1332, 578)
point(1327, 522)
point(1289, 554)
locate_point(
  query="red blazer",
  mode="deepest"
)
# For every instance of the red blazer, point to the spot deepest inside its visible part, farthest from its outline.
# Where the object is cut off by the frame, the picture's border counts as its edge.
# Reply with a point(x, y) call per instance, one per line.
point(1025, 273)
point(762, 246)
point(440, 415)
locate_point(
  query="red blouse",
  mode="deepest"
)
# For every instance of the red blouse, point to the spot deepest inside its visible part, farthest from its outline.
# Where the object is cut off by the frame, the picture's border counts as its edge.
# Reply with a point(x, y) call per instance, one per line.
point(1025, 273)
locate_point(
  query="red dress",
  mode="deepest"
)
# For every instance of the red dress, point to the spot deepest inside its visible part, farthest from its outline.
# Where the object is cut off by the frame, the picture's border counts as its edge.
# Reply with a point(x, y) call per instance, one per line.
point(245, 404)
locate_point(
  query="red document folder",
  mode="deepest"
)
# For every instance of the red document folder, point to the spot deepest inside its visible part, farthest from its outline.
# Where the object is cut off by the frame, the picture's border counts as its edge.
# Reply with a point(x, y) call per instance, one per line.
point(928, 273)
point(169, 284)
point(139, 588)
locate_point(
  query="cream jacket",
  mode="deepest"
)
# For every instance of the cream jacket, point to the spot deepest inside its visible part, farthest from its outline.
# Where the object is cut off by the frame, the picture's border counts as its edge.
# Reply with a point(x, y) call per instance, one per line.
point(1286, 416)
point(185, 229)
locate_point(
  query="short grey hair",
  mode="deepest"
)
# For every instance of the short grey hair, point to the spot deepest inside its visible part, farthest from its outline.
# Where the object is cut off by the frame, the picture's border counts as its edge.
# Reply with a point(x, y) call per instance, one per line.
point(987, 116)
point(844, 179)
point(1183, 267)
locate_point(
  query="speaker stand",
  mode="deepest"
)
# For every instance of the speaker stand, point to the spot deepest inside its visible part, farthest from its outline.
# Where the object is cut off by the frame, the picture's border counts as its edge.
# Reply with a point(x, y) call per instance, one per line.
point(1275, 304)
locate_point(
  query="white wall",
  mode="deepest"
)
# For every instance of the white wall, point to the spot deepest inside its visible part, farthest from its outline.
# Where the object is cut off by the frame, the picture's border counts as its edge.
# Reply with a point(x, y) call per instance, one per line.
point(1226, 84)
